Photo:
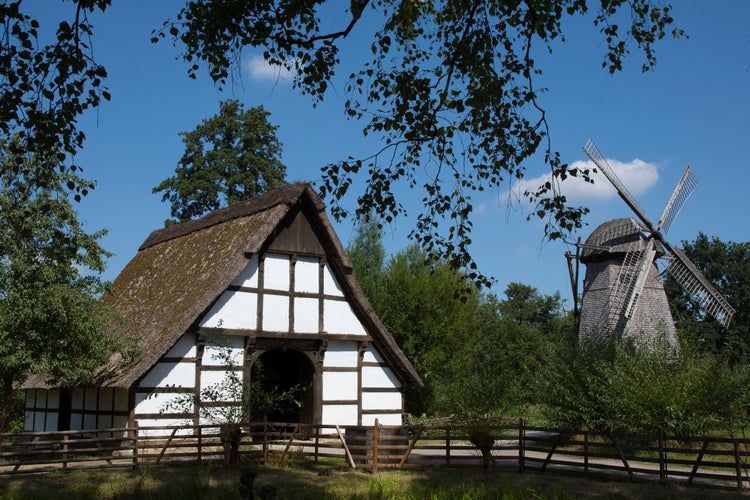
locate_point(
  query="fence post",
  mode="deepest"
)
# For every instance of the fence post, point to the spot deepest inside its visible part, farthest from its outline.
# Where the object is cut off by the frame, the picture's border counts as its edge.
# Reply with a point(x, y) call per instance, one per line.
point(375, 436)
point(448, 445)
point(317, 442)
point(662, 456)
point(738, 464)
point(265, 439)
point(200, 443)
point(586, 451)
point(65, 450)
point(521, 446)
point(135, 443)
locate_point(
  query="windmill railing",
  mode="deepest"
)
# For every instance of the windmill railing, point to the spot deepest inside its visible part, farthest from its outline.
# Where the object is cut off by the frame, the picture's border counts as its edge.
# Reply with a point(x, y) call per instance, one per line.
point(512, 445)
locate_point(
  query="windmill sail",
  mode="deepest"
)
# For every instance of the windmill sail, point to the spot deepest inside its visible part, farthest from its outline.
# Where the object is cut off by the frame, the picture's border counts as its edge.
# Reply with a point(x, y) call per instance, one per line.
point(646, 261)
point(593, 152)
point(699, 288)
point(686, 186)
point(624, 286)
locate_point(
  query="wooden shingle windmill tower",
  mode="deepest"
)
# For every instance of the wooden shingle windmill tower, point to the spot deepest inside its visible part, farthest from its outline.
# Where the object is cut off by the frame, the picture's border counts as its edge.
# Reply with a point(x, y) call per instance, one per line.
point(623, 293)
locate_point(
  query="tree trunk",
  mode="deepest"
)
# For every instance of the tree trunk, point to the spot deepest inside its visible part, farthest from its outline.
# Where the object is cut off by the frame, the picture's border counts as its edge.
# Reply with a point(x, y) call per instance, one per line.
point(7, 407)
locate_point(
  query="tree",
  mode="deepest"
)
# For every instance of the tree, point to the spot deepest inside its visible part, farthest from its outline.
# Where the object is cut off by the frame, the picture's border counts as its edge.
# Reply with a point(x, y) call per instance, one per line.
point(727, 266)
point(44, 89)
point(50, 319)
point(450, 87)
point(367, 255)
point(229, 157)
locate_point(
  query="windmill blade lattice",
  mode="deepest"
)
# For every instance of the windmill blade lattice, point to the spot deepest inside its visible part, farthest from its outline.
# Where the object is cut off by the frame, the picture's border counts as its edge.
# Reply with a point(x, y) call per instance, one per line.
point(699, 288)
point(596, 156)
point(686, 186)
point(646, 263)
point(624, 285)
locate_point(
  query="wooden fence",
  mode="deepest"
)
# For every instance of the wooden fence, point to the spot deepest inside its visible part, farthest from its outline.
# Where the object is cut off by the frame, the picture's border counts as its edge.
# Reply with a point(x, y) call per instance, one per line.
point(514, 446)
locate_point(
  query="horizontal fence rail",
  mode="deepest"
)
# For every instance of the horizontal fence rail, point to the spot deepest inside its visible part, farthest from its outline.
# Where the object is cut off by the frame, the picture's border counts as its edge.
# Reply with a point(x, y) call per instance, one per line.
point(514, 446)
point(47, 451)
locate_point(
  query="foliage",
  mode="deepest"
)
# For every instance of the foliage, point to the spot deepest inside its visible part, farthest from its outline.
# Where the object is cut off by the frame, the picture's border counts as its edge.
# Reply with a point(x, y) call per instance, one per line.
point(44, 89)
point(367, 254)
point(620, 388)
point(476, 354)
point(449, 86)
point(230, 157)
point(50, 321)
point(727, 266)
point(234, 400)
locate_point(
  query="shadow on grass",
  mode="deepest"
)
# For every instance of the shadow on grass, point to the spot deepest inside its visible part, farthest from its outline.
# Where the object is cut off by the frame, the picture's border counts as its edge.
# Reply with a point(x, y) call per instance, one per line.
point(208, 481)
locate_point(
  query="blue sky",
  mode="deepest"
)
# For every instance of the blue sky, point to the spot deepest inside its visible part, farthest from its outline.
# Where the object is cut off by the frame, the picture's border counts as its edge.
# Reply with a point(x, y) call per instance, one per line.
point(692, 110)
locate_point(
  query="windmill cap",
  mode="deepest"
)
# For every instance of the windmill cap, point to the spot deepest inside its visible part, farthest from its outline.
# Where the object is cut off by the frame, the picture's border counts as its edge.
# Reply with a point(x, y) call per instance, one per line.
point(617, 236)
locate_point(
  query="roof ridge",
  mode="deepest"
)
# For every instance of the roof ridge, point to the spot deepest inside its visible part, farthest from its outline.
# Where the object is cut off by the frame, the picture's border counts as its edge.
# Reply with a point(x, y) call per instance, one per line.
point(287, 194)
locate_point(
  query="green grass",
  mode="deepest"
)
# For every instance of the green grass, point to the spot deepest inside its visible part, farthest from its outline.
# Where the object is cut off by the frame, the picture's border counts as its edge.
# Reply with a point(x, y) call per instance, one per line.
point(207, 482)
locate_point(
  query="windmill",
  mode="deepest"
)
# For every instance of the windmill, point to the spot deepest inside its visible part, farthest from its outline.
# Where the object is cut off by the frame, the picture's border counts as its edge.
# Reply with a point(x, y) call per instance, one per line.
point(623, 293)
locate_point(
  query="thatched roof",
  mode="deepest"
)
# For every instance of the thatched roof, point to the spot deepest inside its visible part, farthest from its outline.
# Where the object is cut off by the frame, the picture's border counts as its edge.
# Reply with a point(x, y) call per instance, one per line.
point(180, 271)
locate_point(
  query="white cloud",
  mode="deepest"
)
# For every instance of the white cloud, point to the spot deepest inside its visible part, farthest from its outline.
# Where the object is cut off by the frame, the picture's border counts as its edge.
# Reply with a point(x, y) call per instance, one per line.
point(259, 69)
point(637, 175)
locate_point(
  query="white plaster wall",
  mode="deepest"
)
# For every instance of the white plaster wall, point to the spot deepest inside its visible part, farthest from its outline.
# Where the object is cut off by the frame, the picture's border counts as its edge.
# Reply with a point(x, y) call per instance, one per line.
point(216, 351)
point(76, 399)
point(48, 398)
point(89, 421)
point(305, 315)
point(275, 313)
point(372, 355)
point(306, 275)
point(157, 403)
point(383, 419)
point(376, 376)
point(218, 381)
point(34, 421)
point(330, 284)
point(233, 310)
point(51, 424)
point(143, 423)
point(339, 386)
point(184, 348)
point(339, 318)
point(120, 421)
point(105, 399)
point(341, 354)
point(381, 401)
point(339, 414)
point(249, 276)
point(276, 272)
point(121, 400)
point(91, 399)
point(169, 374)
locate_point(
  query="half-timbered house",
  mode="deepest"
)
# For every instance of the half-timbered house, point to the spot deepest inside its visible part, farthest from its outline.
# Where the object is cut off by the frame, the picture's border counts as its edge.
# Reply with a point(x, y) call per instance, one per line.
point(265, 279)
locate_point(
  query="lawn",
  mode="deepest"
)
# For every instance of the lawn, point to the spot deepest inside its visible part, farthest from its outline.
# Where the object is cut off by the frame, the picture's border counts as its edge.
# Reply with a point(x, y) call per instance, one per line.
point(205, 481)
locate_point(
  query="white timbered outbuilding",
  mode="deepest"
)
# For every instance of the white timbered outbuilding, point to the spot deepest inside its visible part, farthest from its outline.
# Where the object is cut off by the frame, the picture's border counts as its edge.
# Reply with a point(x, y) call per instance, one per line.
point(262, 280)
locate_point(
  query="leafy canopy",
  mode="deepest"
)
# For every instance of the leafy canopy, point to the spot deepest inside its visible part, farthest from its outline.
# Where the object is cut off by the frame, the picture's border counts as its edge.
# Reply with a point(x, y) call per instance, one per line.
point(44, 89)
point(50, 322)
point(232, 156)
point(449, 87)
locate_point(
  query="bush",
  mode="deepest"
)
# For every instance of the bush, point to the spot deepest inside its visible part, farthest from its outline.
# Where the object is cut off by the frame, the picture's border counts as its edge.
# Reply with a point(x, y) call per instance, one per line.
point(618, 387)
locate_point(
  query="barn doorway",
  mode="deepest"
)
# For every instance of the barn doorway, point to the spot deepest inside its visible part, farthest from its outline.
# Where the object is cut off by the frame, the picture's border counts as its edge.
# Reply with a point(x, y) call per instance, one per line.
point(285, 369)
